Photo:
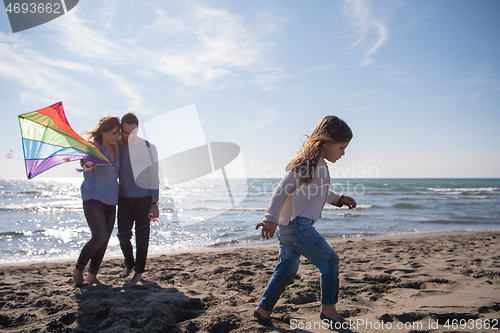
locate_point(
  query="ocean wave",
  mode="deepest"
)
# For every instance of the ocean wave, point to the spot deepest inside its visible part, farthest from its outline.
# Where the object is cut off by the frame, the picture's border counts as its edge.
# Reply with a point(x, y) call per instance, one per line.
point(39, 208)
point(256, 238)
point(351, 215)
point(456, 222)
point(12, 233)
point(18, 234)
point(463, 193)
point(403, 189)
point(329, 207)
point(9, 194)
point(223, 209)
point(354, 235)
point(464, 190)
point(459, 201)
point(406, 206)
point(40, 195)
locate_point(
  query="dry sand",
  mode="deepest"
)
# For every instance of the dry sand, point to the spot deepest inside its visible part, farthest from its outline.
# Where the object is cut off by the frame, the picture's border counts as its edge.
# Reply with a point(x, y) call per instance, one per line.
point(422, 282)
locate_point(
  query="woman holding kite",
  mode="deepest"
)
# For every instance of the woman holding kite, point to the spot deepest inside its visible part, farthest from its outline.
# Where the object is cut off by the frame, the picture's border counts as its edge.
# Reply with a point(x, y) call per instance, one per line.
point(100, 197)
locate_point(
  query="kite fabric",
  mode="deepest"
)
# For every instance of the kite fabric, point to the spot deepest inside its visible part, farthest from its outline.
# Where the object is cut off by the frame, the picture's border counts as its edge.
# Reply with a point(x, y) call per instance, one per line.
point(49, 140)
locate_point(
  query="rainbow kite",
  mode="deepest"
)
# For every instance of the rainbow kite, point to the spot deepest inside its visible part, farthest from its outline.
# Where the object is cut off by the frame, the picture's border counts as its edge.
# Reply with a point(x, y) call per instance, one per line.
point(49, 140)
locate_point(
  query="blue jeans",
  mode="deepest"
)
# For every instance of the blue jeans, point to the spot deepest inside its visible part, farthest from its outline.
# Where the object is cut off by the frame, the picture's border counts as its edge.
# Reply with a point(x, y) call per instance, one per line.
point(132, 210)
point(101, 220)
point(298, 238)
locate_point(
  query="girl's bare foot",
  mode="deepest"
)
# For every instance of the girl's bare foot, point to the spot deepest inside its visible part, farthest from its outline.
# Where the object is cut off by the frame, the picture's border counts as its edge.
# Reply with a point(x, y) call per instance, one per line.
point(329, 311)
point(78, 277)
point(263, 312)
point(263, 316)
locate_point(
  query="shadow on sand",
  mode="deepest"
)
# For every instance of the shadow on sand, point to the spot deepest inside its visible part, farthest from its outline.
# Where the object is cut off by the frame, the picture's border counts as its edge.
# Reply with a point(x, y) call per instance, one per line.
point(134, 307)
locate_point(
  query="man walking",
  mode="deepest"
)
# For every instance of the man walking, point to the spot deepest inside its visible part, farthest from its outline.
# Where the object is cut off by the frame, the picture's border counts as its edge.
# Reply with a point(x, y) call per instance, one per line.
point(139, 192)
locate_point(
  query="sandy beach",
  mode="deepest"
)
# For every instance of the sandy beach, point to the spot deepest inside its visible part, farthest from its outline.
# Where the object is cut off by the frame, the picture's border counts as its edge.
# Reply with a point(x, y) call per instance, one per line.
point(408, 284)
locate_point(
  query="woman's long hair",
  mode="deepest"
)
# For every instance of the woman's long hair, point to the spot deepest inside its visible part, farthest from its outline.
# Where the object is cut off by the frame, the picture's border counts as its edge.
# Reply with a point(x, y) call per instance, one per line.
point(329, 129)
point(106, 124)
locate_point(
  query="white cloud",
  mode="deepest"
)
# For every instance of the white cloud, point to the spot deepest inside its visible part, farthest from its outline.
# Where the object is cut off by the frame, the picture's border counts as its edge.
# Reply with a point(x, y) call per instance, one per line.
point(46, 79)
point(370, 32)
point(397, 75)
point(317, 69)
point(479, 76)
point(362, 93)
point(137, 102)
point(41, 77)
point(270, 117)
point(267, 118)
point(193, 46)
point(266, 80)
point(77, 36)
point(211, 44)
point(198, 46)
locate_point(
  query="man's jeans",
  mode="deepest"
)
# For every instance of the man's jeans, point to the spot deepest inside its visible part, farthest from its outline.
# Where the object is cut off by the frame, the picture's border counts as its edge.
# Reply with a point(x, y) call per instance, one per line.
point(297, 238)
point(132, 210)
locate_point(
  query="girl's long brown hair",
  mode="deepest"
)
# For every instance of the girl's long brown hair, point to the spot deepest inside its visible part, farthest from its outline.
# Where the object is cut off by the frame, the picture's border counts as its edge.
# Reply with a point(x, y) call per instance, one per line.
point(329, 129)
point(106, 124)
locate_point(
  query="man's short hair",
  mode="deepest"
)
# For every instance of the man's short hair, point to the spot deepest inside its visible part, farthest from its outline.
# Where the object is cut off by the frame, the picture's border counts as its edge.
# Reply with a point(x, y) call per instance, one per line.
point(130, 118)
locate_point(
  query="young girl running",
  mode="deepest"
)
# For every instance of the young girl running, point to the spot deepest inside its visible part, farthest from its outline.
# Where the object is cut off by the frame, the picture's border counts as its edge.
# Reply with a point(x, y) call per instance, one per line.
point(295, 206)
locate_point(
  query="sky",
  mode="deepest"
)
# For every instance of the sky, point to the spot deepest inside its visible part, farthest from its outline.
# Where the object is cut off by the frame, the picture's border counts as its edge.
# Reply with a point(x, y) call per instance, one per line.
point(418, 82)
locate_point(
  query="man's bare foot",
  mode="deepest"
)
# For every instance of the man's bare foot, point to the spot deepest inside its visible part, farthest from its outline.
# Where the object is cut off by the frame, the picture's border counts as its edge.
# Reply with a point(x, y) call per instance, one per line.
point(92, 278)
point(329, 311)
point(137, 277)
point(78, 277)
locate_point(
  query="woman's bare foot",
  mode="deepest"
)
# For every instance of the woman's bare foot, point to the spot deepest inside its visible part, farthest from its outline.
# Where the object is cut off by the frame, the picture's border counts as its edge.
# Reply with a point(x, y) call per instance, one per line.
point(78, 277)
point(92, 278)
point(329, 311)
point(126, 272)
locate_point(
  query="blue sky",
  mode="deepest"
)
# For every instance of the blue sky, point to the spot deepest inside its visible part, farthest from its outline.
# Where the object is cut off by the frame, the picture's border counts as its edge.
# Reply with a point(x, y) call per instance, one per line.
point(417, 81)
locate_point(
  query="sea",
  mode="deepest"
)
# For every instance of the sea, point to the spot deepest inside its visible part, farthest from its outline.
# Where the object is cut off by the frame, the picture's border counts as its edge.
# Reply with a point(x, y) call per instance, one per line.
point(43, 220)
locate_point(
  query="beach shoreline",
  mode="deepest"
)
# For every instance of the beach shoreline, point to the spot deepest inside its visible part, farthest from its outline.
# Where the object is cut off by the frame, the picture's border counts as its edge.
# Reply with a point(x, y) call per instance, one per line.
point(417, 279)
point(251, 245)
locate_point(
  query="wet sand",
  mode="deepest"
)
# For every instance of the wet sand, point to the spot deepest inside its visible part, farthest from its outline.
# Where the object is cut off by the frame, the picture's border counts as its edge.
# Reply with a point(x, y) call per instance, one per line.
point(406, 284)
